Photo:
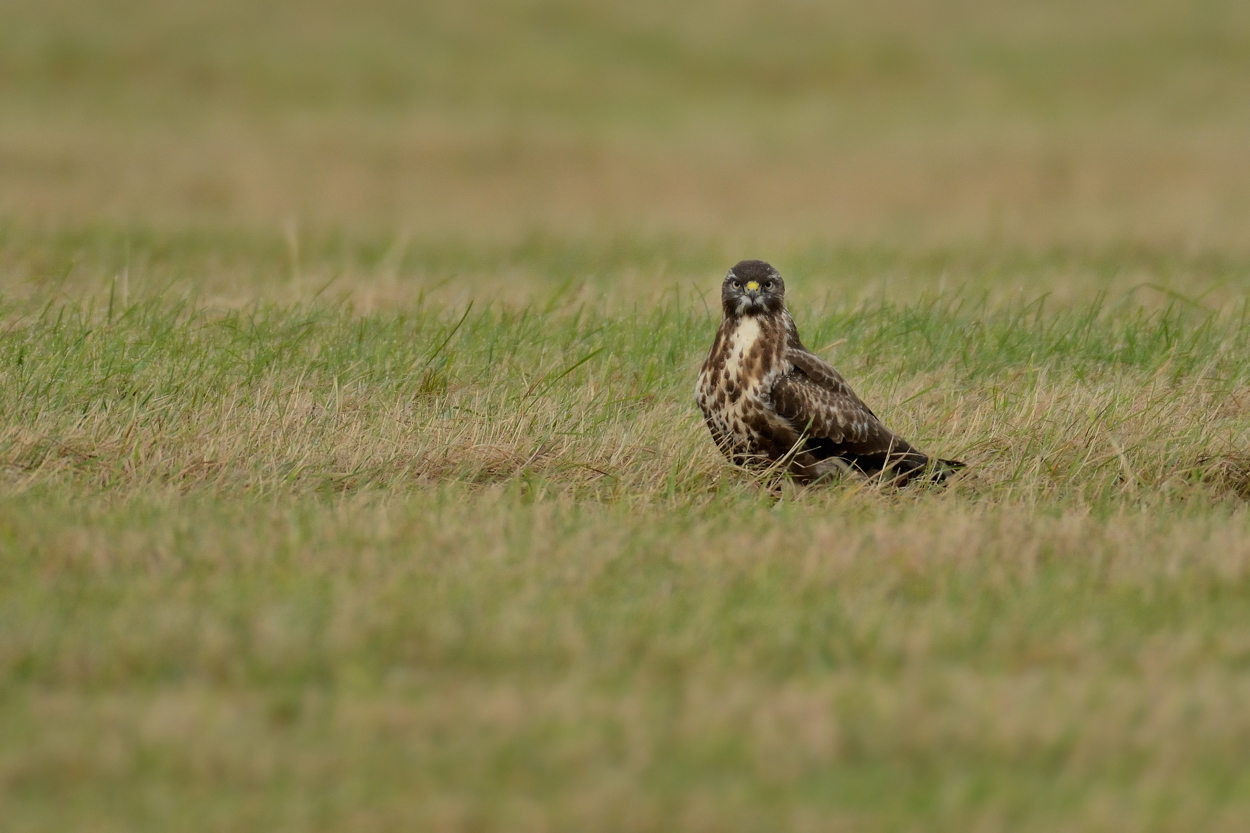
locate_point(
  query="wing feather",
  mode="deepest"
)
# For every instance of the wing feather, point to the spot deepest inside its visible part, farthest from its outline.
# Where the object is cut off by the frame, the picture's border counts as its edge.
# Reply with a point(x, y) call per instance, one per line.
point(815, 398)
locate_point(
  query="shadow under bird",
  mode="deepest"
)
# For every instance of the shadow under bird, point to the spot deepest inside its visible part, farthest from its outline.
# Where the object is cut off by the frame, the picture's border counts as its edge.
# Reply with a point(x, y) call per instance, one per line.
point(771, 403)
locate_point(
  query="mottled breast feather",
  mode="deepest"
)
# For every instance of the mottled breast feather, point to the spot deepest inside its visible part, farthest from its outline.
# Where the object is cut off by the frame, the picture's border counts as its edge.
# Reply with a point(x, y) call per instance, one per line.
point(747, 356)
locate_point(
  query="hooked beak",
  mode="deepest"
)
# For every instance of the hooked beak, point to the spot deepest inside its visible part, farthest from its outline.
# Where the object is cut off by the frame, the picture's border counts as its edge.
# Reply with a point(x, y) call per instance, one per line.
point(753, 290)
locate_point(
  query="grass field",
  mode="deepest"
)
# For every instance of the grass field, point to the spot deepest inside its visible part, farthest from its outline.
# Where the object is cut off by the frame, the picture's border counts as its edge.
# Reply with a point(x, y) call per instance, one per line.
point(350, 476)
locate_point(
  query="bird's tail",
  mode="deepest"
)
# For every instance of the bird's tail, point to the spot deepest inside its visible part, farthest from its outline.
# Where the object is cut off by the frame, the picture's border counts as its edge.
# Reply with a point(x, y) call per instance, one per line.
point(915, 466)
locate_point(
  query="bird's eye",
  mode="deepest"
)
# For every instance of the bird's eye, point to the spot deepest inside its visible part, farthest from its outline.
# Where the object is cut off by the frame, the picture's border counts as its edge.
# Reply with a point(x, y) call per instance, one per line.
point(768, 284)
point(737, 285)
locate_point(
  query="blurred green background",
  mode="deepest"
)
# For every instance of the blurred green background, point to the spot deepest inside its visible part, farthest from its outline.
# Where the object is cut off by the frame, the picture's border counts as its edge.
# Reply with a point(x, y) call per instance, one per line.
point(466, 138)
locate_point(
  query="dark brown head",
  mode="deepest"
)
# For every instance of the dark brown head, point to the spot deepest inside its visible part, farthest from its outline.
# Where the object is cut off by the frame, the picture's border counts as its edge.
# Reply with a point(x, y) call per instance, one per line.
point(752, 287)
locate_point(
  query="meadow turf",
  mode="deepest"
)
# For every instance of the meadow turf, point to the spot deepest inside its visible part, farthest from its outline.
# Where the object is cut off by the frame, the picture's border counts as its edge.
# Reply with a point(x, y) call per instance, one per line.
point(299, 566)
point(351, 478)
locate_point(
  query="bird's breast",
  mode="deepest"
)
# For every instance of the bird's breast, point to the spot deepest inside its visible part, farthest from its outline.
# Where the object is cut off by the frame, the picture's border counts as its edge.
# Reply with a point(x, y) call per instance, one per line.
point(744, 360)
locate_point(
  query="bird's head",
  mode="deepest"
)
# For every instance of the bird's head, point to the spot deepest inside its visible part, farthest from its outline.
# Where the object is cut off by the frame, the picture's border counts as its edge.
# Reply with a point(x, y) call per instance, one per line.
point(753, 287)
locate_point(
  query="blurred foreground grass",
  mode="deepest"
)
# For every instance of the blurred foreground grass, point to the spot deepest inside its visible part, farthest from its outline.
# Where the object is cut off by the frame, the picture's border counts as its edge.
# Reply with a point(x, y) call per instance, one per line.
point(464, 659)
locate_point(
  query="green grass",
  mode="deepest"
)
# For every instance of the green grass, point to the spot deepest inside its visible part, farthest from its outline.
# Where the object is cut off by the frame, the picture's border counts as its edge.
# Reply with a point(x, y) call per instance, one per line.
point(290, 397)
point(298, 566)
point(468, 659)
point(350, 477)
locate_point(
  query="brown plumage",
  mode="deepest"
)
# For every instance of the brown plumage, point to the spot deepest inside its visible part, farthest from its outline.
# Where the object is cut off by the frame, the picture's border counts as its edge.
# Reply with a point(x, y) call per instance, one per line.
point(771, 402)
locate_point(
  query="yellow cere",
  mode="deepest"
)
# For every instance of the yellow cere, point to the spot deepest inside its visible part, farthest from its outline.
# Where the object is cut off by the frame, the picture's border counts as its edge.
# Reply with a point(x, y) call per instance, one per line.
point(752, 285)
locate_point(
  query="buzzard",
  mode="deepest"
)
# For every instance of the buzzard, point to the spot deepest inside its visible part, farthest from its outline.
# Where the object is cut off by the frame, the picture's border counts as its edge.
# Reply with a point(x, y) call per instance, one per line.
point(772, 403)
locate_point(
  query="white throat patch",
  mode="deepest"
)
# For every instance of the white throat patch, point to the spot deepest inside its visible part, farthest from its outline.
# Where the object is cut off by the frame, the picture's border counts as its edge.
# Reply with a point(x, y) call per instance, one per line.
point(740, 344)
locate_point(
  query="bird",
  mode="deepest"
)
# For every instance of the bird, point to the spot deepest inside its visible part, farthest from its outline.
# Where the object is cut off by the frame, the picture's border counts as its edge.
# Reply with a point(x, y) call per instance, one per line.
point(772, 404)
